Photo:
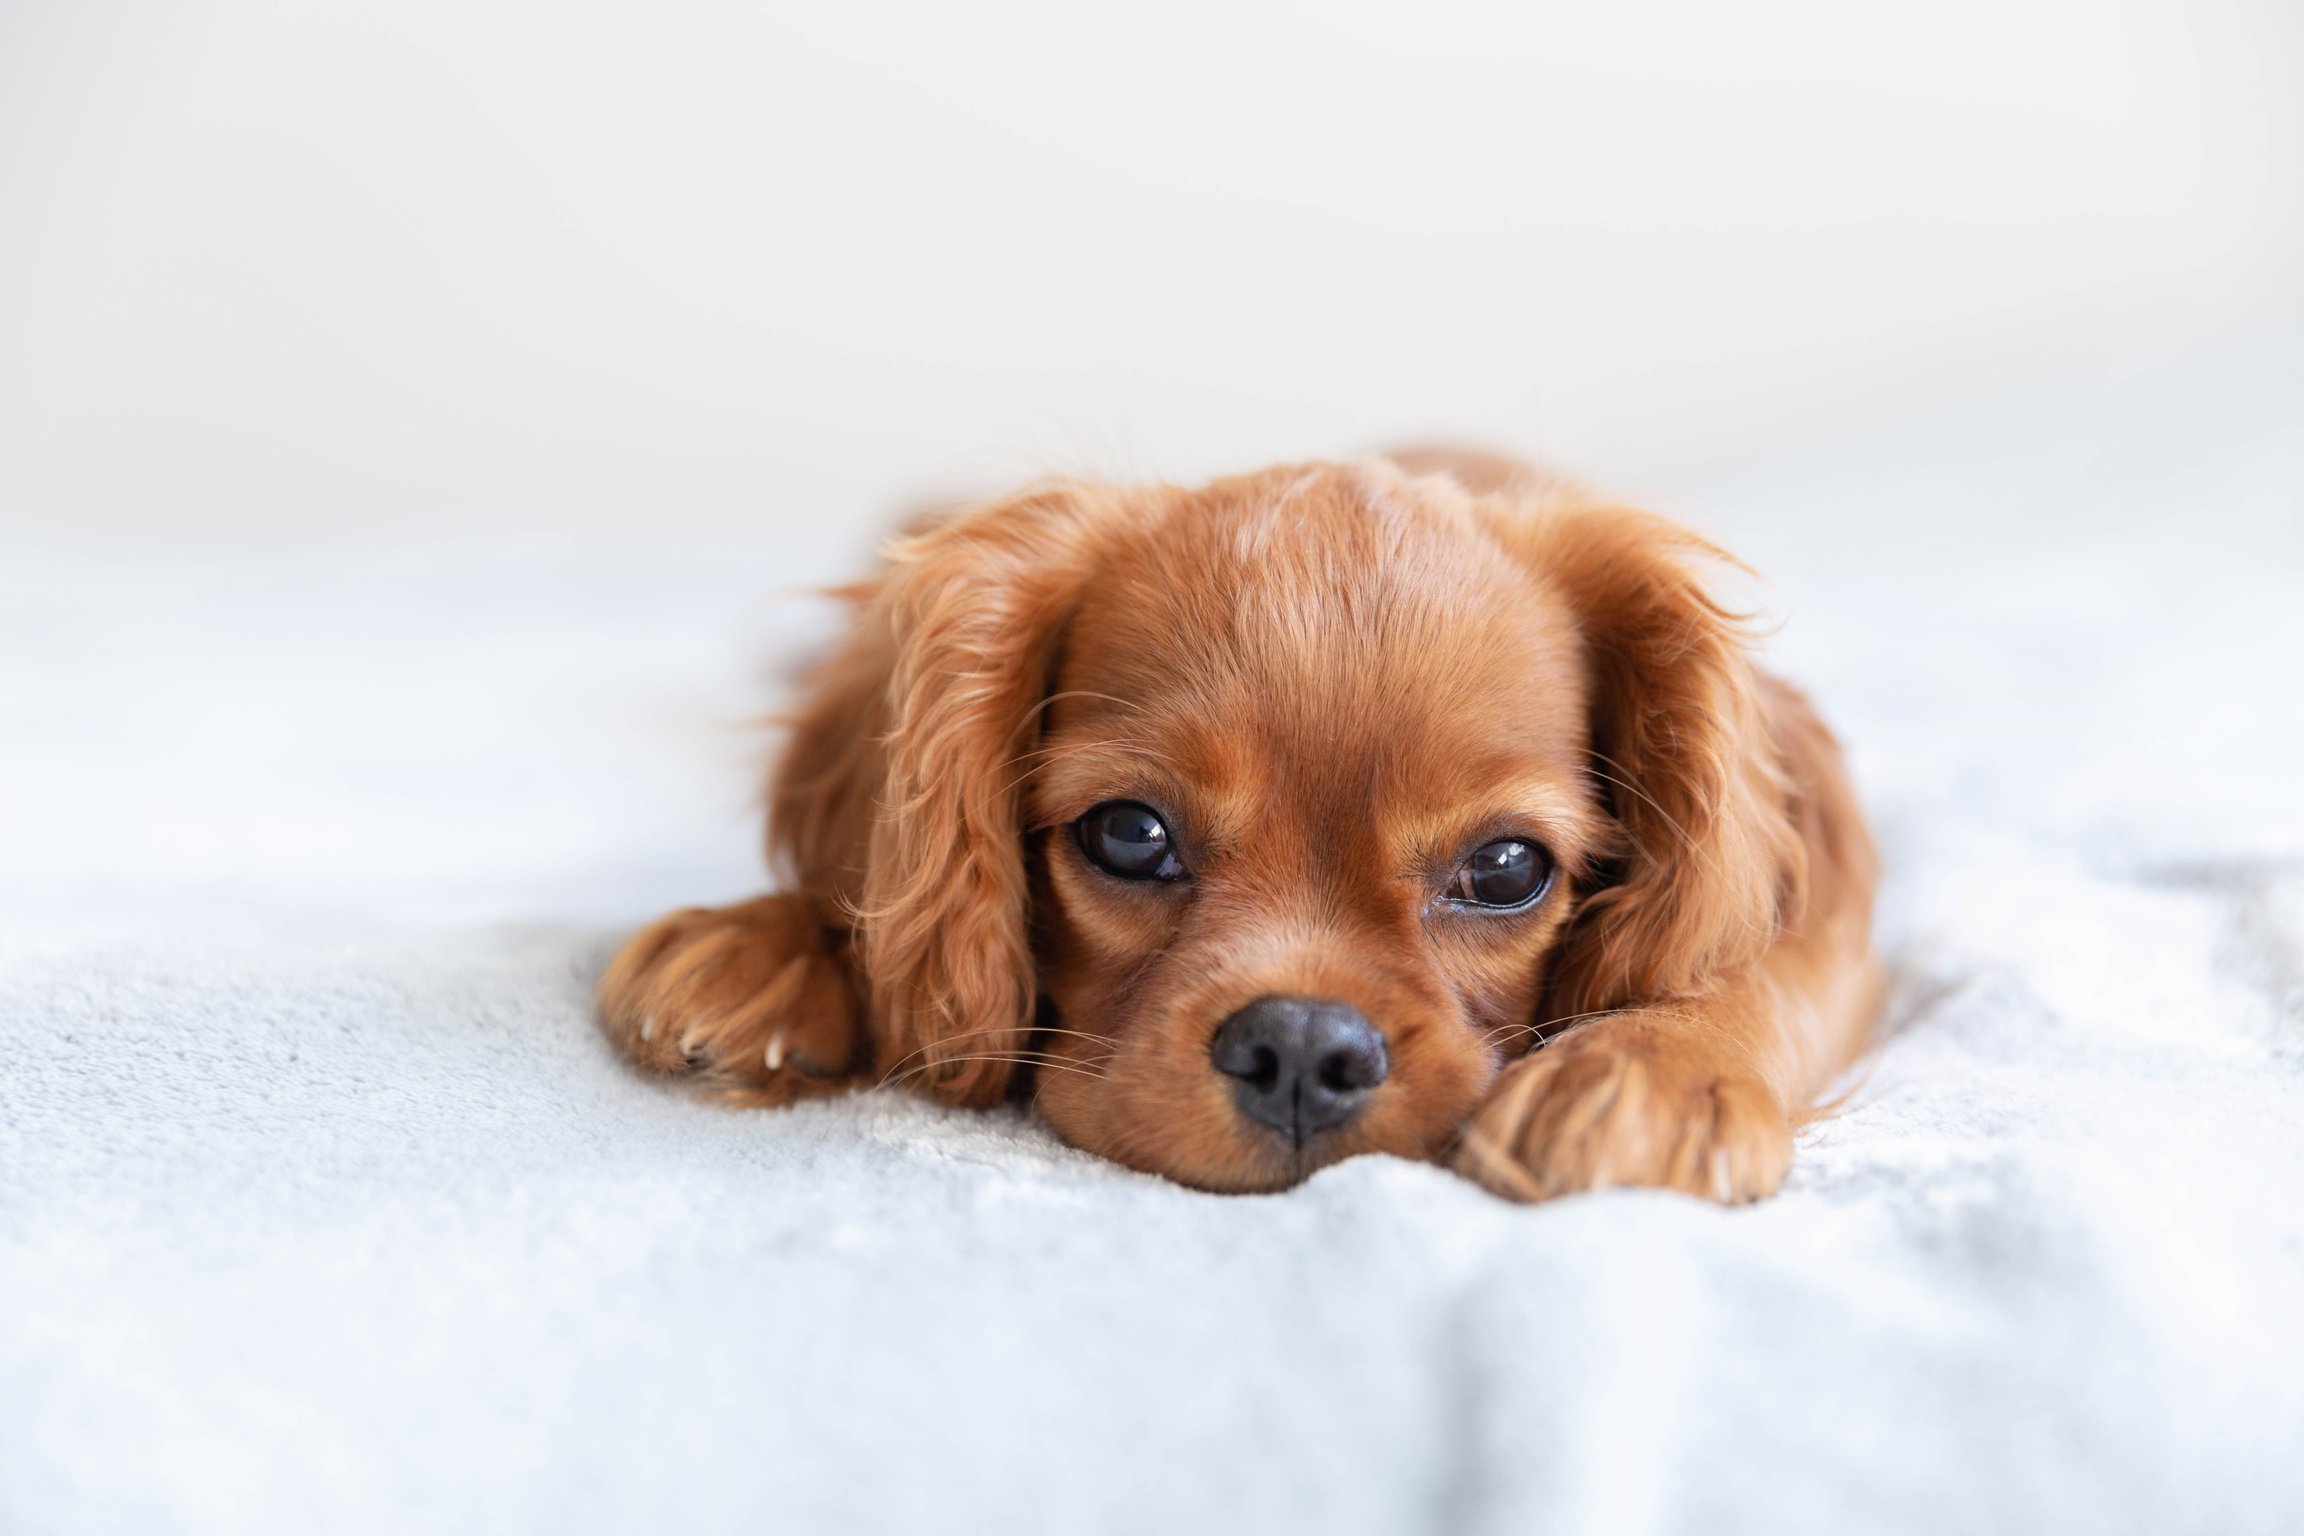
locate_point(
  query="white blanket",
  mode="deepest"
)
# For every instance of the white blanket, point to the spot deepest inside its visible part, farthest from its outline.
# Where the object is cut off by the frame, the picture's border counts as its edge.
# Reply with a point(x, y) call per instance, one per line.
point(324, 1208)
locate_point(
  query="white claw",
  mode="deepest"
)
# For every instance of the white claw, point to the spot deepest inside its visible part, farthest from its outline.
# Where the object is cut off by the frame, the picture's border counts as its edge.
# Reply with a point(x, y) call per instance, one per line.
point(648, 1027)
point(774, 1055)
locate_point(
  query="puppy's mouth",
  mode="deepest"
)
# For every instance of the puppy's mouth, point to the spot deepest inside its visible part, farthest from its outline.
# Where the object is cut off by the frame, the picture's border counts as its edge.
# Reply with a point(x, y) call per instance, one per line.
point(1272, 1164)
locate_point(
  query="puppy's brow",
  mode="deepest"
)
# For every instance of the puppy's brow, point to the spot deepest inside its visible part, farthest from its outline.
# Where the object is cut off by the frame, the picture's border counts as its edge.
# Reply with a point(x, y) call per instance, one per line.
point(1103, 766)
point(1112, 763)
point(1567, 825)
point(1080, 693)
point(1027, 765)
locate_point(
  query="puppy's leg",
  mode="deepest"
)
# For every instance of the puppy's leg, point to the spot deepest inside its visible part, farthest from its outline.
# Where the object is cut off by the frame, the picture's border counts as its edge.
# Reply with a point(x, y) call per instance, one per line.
point(1647, 1097)
point(753, 1001)
point(1699, 1095)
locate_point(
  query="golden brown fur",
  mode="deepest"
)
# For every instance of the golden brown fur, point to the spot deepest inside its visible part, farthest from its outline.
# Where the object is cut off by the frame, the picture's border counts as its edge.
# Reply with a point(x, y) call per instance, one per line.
point(1334, 679)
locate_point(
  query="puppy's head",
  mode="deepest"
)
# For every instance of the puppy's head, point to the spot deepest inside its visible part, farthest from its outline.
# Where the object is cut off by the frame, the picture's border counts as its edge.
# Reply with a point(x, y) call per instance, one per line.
point(1266, 822)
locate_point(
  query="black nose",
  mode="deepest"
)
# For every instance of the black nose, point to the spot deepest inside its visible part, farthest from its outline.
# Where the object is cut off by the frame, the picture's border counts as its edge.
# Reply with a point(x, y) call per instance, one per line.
point(1303, 1063)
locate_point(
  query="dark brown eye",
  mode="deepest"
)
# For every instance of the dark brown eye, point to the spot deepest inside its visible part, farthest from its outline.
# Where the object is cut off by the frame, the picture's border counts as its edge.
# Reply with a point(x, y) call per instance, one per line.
point(1503, 875)
point(1123, 838)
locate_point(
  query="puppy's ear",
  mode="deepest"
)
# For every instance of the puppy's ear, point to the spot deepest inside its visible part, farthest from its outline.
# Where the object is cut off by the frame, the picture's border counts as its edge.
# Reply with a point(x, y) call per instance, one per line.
point(1682, 750)
point(898, 802)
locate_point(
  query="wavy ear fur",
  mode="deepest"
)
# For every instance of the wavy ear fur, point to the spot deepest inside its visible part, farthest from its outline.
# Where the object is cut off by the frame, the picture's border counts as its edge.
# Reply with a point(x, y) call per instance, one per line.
point(896, 807)
point(1683, 751)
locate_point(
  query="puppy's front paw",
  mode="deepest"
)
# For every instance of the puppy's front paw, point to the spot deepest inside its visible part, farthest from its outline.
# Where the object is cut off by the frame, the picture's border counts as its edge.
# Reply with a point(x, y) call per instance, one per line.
point(745, 1000)
point(1631, 1099)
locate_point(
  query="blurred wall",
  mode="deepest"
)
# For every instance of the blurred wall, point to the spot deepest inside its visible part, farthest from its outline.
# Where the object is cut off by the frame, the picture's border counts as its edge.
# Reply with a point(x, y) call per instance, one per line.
point(298, 266)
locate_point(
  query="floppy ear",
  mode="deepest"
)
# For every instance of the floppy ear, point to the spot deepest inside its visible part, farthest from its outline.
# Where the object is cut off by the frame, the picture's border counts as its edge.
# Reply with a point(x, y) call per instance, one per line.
point(897, 806)
point(1682, 751)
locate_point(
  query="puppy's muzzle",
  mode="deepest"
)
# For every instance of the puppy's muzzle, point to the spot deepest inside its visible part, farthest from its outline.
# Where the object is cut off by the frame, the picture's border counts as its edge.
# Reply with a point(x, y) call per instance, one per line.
point(1301, 1065)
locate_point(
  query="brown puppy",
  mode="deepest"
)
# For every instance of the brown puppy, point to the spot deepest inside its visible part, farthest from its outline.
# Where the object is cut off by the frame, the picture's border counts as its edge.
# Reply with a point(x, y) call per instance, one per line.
point(1261, 825)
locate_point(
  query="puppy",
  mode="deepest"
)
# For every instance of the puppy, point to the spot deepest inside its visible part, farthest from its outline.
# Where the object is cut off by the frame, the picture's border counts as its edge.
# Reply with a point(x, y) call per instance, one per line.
point(1419, 805)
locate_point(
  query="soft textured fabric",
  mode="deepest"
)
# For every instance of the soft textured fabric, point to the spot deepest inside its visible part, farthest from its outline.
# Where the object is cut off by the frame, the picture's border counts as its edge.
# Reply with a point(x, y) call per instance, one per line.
point(324, 1207)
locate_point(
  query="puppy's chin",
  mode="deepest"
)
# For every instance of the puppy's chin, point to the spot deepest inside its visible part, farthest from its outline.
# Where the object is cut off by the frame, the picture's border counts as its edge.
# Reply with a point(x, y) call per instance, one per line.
point(1187, 1127)
point(1215, 1151)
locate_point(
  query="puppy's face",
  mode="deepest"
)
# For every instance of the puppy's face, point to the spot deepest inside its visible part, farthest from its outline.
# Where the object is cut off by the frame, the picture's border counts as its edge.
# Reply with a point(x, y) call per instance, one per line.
point(1307, 812)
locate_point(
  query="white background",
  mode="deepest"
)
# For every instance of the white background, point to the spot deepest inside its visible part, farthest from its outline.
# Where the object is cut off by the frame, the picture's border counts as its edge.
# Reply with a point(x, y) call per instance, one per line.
point(268, 265)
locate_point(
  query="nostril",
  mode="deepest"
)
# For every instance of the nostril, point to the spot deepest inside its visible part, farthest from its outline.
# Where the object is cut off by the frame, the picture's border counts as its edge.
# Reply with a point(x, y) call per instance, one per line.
point(1350, 1055)
point(1259, 1046)
point(1347, 1071)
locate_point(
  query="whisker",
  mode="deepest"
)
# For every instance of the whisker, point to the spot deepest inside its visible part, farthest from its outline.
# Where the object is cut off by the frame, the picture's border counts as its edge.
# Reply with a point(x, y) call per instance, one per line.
point(1057, 754)
point(1049, 1063)
point(1694, 846)
point(1080, 1034)
point(1080, 693)
point(1545, 1029)
point(1002, 1029)
point(1650, 801)
point(1101, 743)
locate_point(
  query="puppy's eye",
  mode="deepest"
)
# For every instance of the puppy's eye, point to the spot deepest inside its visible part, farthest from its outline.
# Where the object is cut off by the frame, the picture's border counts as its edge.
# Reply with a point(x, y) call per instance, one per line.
point(1505, 874)
point(1129, 840)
